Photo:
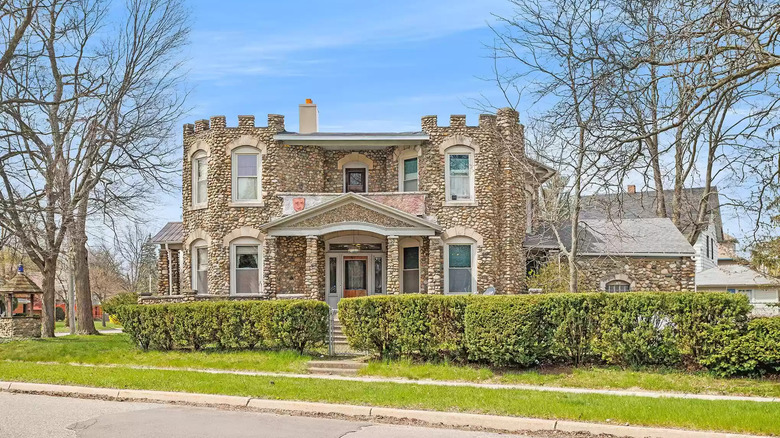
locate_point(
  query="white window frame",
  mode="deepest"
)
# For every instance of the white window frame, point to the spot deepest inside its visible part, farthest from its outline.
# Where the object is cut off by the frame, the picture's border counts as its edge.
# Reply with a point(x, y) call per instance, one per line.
point(246, 241)
point(195, 192)
point(246, 150)
point(623, 283)
point(459, 150)
point(409, 242)
point(460, 240)
point(194, 259)
point(407, 155)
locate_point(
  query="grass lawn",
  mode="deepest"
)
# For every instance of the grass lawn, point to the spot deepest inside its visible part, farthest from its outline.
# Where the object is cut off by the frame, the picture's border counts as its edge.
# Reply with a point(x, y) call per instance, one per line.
point(731, 416)
point(118, 349)
point(603, 378)
point(59, 326)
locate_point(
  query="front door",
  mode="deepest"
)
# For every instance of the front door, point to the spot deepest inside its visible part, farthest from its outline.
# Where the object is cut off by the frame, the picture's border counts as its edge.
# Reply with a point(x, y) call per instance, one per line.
point(355, 276)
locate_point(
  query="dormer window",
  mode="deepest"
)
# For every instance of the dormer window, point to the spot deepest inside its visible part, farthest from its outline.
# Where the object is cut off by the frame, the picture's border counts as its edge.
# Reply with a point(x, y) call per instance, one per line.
point(246, 175)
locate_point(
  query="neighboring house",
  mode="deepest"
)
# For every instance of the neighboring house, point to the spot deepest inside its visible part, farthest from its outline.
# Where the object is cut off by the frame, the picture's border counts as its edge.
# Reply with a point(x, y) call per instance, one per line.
point(763, 291)
point(622, 255)
point(275, 214)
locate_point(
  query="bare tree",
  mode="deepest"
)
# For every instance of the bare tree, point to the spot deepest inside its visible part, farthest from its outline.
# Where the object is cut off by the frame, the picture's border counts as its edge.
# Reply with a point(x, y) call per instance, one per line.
point(93, 97)
point(136, 254)
point(556, 51)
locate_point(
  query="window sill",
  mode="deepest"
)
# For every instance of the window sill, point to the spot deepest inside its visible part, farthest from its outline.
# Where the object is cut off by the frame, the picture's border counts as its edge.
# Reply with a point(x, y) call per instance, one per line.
point(460, 203)
point(246, 204)
point(199, 207)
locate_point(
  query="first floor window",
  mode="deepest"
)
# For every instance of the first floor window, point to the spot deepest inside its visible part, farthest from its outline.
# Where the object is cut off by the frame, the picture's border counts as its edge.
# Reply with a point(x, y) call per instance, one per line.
point(411, 270)
point(201, 270)
point(247, 269)
point(618, 286)
point(378, 281)
point(460, 269)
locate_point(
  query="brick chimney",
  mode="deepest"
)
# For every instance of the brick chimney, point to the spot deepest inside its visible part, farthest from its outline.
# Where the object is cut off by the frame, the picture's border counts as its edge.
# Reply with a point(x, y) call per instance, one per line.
point(631, 189)
point(308, 117)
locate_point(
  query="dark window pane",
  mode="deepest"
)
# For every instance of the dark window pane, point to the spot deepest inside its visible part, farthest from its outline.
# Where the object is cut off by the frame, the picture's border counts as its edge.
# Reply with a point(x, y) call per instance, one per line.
point(460, 280)
point(411, 281)
point(410, 168)
point(332, 262)
point(412, 258)
point(460, 256)
point(378, 289)
point(246, 257)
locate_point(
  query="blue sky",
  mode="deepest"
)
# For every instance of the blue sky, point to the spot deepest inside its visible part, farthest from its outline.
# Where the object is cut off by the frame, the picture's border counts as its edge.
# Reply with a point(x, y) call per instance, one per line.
point(369, 66)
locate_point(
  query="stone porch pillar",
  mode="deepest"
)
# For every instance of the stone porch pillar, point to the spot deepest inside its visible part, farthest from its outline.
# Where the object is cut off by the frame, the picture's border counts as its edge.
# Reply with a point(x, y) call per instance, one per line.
point(269, 267)
point(312, 269)
point(163, 279)
point(175, 272)
point(435, 265)
point(393, 280)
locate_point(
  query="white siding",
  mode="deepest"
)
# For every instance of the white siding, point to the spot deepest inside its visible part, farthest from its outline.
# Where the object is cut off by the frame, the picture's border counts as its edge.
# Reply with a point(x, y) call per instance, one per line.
point(706, 261)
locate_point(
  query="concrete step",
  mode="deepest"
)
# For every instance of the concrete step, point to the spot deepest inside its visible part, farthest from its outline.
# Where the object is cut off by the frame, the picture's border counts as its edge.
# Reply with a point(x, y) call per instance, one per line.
point(333, 371)
point(336, 364)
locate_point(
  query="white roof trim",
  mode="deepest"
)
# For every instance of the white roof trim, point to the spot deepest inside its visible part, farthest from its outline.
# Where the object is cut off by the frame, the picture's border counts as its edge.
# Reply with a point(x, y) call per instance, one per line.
point(419, 226)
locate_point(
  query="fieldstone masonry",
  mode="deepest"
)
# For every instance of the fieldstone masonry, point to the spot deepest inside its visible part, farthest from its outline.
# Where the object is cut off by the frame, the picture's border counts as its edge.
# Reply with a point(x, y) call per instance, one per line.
point(393, 273)
point(20, 327)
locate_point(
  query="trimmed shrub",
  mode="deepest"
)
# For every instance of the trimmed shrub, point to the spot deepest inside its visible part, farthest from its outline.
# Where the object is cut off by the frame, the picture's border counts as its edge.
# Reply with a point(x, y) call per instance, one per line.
point(110, 304)
point(417, 326)
point(629, 329)
point(298, 324)
point(756, 352)
point(59, 314)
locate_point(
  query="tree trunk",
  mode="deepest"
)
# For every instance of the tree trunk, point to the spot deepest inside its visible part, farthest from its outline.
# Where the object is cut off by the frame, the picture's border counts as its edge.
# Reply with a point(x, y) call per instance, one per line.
point(47, 301)
point(78, 233)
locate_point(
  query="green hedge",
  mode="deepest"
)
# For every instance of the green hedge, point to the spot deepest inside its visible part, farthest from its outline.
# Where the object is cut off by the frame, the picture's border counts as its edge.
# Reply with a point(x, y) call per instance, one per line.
point(629, 329)
point(294, 324)
point(754, 352)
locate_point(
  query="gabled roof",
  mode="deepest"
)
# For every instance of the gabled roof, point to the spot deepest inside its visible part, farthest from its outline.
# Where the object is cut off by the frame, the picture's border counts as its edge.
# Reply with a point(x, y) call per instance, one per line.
point(627, 237)
point(643, 205)
point(285, 226)
point(172, 232)
point(735, 276)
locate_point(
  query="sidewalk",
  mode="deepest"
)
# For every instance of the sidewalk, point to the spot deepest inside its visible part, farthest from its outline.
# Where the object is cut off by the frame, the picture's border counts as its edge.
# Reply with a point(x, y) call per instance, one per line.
point(619, 392)
point(378, 414)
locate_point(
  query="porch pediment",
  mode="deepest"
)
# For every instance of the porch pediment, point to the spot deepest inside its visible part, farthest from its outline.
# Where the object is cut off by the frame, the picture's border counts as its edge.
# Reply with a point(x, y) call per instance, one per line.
point(351, 212)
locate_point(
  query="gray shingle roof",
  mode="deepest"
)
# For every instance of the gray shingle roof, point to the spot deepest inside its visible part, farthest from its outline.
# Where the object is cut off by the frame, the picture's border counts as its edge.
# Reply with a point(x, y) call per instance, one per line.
point(651, 236)
point(643, 205)
point(734, 276)
point(172, 232)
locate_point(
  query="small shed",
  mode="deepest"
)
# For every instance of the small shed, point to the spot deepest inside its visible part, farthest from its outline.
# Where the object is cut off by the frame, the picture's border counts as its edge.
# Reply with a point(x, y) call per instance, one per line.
point(25, 325)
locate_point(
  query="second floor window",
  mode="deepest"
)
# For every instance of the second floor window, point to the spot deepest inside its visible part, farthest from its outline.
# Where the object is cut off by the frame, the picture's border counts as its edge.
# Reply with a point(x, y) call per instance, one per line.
point(246, 175)
point(199, 179)
point(355, 180)
point(410, 176)
point(459, 177)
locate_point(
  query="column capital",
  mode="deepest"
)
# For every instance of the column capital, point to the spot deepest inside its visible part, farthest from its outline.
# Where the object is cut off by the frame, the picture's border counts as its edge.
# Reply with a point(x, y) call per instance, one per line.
point(312, 237)
point(392, 237)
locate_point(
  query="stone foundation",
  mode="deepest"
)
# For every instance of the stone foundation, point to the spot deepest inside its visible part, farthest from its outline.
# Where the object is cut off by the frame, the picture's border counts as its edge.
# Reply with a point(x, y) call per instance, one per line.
point(20, 327)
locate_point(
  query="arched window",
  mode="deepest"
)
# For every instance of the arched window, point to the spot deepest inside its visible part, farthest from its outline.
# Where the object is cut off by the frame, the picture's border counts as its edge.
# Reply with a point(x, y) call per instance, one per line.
point(408, 171)
point(460, 265)
point(618, 286)
point(199, 179)
point(246, 261)
point(355, 177)
point(459, 174)
point(199, 261)
point(247, 175)
point(409, 251)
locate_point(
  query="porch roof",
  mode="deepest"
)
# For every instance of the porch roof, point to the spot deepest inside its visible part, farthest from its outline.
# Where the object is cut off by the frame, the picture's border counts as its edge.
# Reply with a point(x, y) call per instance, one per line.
point(334, 215)
point(172, 232)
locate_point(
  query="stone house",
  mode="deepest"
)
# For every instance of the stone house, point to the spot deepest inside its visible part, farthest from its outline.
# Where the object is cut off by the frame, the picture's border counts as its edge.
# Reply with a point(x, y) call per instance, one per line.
point(271, 214)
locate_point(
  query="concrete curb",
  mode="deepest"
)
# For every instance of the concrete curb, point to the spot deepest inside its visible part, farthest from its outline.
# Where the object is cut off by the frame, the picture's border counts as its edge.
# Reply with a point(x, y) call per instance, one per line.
point(447, 419)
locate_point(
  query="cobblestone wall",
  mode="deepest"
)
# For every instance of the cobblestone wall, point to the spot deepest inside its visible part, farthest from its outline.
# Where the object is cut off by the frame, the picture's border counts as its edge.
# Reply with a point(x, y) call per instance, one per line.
point(20, 327)
point(644, 274)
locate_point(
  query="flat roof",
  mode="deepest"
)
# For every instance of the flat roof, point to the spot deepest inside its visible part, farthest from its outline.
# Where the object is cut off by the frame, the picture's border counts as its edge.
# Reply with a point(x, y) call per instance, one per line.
point(352, 138)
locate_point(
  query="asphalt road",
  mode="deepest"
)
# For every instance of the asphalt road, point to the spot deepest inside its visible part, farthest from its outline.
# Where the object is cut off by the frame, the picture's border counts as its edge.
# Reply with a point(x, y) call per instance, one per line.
point(23, 415)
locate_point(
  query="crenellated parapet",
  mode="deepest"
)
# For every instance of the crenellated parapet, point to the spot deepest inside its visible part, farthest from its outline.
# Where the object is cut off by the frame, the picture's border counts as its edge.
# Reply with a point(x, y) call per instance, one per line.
point(275, 122)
